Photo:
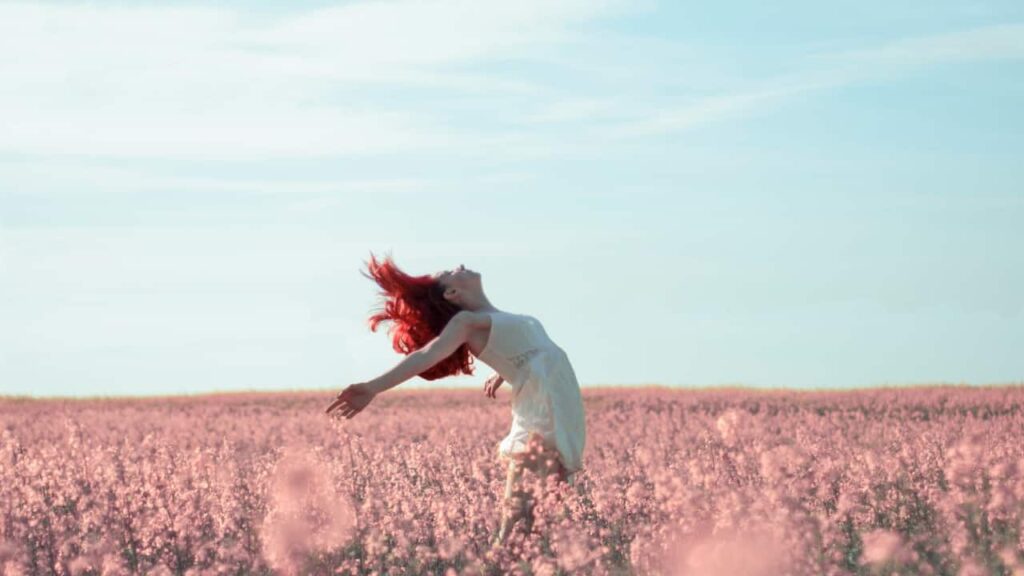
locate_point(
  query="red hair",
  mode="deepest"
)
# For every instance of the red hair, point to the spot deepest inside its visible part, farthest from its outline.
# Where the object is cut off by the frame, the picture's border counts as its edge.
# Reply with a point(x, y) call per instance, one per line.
point(418, 312)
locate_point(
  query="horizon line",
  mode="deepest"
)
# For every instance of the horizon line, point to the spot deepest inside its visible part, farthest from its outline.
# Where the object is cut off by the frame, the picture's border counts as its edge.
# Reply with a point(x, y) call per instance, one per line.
point(583, 388)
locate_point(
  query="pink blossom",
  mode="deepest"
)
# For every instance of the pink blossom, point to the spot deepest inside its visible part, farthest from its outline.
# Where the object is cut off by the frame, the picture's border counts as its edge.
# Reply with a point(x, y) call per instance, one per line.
point(674, 482)
point(882, 546)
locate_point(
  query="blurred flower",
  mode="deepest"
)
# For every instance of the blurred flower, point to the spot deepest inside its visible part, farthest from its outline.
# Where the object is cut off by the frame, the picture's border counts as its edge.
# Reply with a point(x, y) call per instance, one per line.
point(881, 546)
point(728, 425)
point(304, 513)
point(746, 552)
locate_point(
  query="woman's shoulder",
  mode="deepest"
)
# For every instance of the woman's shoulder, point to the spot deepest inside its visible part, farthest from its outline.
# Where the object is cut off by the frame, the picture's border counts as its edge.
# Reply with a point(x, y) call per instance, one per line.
point(472, 318)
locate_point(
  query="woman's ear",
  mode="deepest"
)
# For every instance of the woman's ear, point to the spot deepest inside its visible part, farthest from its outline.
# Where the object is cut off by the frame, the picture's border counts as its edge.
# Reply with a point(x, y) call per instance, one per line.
point(449, 293)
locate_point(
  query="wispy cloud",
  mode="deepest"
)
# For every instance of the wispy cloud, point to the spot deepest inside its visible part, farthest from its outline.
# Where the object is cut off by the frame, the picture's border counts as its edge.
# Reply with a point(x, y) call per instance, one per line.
point(570, 110)
point(701, 111)
point(367, 36)
point(828, 71)
point(34, 176)
point(997, 42)
point(209, 82)
point(225, 133)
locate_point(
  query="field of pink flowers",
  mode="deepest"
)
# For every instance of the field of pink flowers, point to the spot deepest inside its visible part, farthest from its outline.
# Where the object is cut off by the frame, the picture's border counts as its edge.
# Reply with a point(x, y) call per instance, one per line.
point(711, 482)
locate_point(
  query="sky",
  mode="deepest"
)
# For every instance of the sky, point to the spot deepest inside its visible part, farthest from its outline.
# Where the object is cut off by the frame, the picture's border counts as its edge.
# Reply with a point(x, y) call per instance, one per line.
point(795, 195)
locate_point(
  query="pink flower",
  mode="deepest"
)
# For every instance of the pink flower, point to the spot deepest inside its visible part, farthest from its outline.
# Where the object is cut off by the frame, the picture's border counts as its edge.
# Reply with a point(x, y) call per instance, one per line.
point(881, 546)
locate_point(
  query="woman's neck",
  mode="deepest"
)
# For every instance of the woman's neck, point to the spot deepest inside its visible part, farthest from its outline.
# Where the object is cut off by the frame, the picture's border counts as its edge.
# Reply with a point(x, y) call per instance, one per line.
point(481, 305)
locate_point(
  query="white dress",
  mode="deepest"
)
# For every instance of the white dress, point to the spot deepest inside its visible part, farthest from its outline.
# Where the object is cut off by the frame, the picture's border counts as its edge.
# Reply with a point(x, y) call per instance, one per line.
point(546, 395)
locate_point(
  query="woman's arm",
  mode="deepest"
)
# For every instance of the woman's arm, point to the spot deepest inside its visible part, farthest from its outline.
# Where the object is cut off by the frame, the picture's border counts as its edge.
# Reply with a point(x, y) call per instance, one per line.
point(455, 334)
point(354, 398)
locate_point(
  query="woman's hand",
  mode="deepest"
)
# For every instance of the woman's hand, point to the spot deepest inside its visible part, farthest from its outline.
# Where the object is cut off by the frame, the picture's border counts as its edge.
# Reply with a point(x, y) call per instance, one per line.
point(352, 400)
point(492, 384)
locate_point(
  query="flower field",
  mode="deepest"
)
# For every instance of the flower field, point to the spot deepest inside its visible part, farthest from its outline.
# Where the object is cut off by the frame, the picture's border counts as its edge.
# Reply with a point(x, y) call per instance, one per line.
point(925, 480)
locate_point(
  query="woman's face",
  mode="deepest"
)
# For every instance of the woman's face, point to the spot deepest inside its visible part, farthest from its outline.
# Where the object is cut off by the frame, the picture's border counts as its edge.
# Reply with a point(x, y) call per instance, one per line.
point(458, 279)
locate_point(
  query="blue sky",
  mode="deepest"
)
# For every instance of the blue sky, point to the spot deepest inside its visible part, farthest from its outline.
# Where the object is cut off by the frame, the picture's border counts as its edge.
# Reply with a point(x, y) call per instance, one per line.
point(799, 195)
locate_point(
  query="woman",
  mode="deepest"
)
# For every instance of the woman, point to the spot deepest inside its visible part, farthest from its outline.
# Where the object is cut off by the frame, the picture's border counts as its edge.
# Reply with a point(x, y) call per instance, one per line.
point(438, 322)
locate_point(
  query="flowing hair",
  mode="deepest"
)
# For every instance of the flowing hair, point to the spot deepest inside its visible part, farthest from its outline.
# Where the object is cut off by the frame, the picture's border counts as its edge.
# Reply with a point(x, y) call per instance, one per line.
point(418, 312)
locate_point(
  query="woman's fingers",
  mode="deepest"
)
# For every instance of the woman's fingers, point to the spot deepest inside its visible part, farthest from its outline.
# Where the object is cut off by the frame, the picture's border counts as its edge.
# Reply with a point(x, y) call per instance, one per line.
point(492, 385)
point(334, 405)
point(340, 401)
point(346, 410)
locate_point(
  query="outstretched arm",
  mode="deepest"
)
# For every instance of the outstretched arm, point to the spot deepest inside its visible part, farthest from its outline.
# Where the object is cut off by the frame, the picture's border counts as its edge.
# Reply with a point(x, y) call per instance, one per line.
point(444, 345)
point(355, 397)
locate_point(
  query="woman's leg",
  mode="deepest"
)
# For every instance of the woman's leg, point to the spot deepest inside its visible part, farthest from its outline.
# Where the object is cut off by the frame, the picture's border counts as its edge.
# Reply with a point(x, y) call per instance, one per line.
point(518, 503)
point(513, 505)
